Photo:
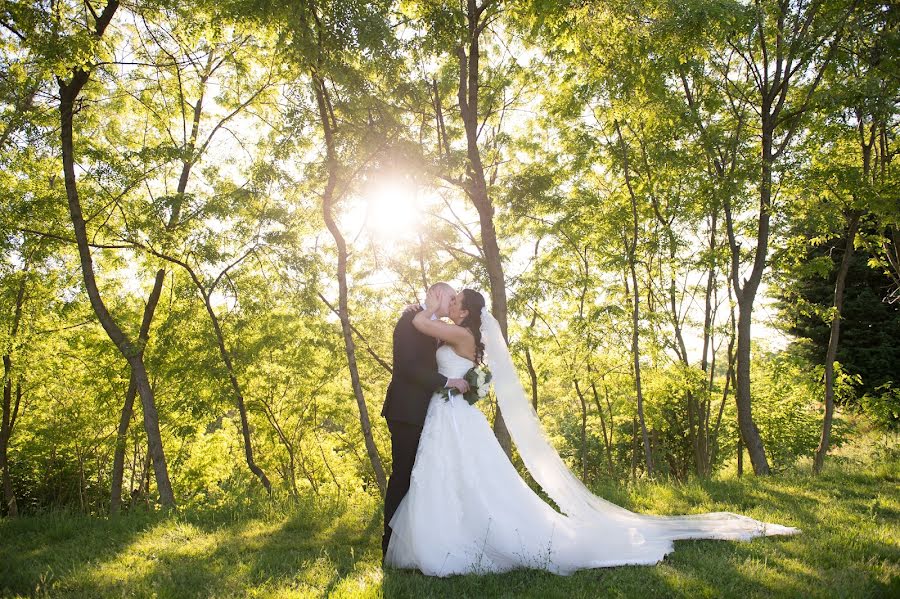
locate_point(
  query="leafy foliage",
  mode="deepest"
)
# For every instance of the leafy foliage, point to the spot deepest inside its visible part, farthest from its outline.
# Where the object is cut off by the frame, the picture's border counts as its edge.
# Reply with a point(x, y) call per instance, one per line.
point(613, 135)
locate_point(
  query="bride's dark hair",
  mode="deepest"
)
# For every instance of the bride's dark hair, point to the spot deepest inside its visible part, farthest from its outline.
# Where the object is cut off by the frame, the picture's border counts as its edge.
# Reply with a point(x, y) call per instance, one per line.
point(474, 302)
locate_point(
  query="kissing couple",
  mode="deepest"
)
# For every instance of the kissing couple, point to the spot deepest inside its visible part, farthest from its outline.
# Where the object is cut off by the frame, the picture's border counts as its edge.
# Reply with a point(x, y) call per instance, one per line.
point(455, 504)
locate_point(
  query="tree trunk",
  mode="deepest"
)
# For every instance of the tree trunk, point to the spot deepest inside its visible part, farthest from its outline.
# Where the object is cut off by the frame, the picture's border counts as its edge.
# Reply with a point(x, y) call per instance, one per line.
point(10, 411)
point(69, 92)
point(631, 255)
point(118, 469)
point(607, 437)
point(289, 448)
point(634, 449)
point(713, 442)
point(749, 431)
point(583, 431)
point(695, 407)
point(153, 300)
point(774, 82)
point(476, 187)
point(833, 340)
point(238, 394)
point(343, 309)
point(746, 294)
point(636, 354)
point(532, 375)
point(704, 461)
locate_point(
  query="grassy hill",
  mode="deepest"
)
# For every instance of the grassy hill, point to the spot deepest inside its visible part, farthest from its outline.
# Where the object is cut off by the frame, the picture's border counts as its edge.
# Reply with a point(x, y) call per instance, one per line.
point(329, 547)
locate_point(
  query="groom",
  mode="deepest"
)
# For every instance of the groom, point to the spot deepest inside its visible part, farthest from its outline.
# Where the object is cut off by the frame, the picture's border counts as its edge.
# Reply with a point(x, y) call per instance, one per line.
point(414, 379)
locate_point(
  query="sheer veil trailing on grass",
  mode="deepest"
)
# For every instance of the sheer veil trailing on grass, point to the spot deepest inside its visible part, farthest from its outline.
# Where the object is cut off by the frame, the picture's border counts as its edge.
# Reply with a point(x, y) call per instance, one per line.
point(469, 511)
point(569, 493)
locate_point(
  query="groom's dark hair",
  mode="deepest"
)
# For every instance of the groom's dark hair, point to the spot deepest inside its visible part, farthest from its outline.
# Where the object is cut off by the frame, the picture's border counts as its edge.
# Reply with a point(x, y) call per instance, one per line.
point(474, 302)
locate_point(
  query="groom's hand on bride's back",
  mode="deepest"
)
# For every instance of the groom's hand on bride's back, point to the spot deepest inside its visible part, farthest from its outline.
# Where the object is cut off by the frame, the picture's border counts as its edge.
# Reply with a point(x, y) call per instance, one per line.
point(460, 385)
point(412, 308)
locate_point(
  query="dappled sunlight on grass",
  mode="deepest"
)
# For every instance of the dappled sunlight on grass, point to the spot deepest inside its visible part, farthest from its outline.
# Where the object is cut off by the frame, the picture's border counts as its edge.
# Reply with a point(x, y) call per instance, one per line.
point(676, 499)
point(167, 552)
point(329, 547)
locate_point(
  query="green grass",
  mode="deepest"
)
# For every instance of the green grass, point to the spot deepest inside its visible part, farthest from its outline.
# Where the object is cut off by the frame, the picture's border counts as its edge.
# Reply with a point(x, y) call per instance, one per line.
point(850, 547)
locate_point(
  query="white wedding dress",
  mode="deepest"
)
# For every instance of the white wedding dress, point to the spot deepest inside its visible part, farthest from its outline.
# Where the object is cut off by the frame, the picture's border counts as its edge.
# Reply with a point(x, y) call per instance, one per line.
point(469, 511)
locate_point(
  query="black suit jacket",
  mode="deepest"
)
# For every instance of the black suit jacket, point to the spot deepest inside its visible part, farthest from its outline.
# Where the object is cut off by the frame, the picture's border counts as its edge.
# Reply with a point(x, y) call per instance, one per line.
point(415, 376)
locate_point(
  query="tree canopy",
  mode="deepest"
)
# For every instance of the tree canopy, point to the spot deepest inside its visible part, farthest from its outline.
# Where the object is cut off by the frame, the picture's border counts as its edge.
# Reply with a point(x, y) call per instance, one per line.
point(213, 214)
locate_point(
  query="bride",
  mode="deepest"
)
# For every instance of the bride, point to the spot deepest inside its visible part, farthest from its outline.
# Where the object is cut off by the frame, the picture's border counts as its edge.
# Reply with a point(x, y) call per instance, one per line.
point(469, 511)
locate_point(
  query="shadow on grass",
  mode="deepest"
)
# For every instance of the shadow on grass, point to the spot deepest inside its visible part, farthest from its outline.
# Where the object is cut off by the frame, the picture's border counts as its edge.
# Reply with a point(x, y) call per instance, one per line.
point(308, 551)
point(37, 552)
point(325, 548)
point(661, 580)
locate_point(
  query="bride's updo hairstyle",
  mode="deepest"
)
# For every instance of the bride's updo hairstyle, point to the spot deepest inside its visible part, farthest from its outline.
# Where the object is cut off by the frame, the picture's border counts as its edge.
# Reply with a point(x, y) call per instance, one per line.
point(474, 302)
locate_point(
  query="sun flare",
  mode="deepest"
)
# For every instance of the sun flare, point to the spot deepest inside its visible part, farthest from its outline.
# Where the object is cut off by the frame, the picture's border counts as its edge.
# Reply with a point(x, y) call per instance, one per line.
point(391, 209)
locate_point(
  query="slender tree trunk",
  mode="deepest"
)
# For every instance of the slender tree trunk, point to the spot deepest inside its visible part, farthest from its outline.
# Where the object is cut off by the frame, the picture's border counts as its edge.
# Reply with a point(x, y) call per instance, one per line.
point(293, 472)
point(583, 430)
point(707, 364)
point(9, 419)
point(866, 145)
point(80, 458)
point(634, 448)
point(476, 187)
point(833, 340)
point(236, 388)
point(732, 369)
point(746, 294)
point(532, 375)
point(343, 309)
point(443, 145)
point(631, 254)
point(288, 447)
point(636, 354)
point(143, 488)
point(69, 92)
point(729, 377)
point(695, 410)
point(703, 446)
point(118, 469)
point(153, 299)
point(10, 410)
point(607, 437)
point(749, 431)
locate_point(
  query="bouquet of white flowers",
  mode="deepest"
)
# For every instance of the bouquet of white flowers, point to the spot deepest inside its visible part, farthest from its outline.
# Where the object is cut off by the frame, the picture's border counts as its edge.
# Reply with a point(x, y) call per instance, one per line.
point(479, 379)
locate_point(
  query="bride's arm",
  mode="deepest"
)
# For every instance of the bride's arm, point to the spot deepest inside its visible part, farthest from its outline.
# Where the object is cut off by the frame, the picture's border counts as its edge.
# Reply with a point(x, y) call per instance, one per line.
point(448, 333)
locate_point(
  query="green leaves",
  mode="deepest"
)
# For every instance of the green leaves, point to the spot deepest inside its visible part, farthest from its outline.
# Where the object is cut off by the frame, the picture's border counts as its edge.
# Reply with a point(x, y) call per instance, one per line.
point(198, 137)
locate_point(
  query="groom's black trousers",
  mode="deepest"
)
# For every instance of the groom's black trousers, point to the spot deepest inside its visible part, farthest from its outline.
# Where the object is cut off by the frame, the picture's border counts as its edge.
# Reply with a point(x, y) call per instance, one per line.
point(404, 444)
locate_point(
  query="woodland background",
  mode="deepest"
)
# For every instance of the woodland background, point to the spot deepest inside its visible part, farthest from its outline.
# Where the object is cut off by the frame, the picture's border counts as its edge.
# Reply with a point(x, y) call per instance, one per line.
point(686, 216)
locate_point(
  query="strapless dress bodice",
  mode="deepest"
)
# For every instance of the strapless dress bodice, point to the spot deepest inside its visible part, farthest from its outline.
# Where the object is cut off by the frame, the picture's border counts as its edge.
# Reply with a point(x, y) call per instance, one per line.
point(451, 364)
